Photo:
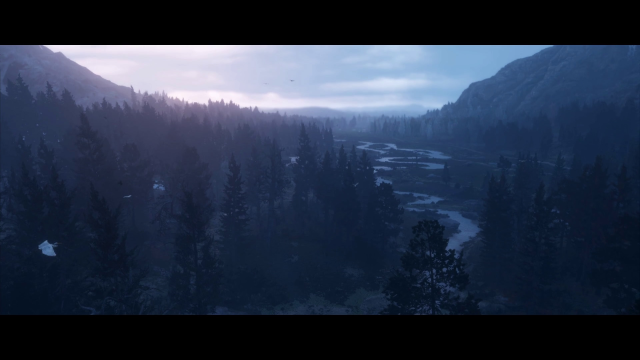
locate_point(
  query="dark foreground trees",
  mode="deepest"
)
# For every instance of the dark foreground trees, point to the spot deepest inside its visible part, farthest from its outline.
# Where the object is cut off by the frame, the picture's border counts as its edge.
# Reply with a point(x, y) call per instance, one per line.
point(431, 277)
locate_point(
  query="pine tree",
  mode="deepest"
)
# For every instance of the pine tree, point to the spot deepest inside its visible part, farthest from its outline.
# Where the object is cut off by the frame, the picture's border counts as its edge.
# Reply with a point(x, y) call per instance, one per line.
point(26, 214)
point(304, 173)
point(234, 219)
point(195, 274)
point(24, 155)
point(617, 267)
point(61, 226)
point(526, 178)
point(276, 183)
point(255, 182)
point(430, 277)
point(537, 256)
point(366, 180)
point(116, 281)
point(496, 234)
point(353, 159)
point(45, 161)
point(137, 180)
point(95, 163)
point(623, 192)
point(383, 219)
point(576, 168)
point(559, 172)
point(347, 210)
point(341, 165)
point(325, 188)
point(446, 177)
point(485, 182)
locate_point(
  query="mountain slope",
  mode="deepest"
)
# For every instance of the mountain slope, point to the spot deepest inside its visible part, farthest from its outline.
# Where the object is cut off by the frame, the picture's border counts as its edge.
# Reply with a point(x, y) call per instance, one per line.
point(551, 78)
point(37, 64)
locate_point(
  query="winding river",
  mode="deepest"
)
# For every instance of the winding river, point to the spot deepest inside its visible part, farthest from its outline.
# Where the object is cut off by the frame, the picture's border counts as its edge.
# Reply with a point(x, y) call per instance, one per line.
point(467, 228)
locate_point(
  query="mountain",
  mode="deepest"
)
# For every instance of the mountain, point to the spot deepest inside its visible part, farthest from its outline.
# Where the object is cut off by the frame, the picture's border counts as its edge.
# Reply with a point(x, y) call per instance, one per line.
point(409, 110)
point(37, 64)
point(553, 77)
point(310, 111)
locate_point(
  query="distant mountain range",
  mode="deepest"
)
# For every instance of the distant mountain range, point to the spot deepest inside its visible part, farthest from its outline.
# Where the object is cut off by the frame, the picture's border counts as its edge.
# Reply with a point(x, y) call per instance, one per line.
point(543, 82)
point(37, 64)
point(409, 110)
point(551, 78)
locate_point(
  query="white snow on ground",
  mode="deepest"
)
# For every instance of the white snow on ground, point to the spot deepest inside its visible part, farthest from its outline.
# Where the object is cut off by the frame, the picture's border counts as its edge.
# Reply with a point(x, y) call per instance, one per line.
point(468, 229)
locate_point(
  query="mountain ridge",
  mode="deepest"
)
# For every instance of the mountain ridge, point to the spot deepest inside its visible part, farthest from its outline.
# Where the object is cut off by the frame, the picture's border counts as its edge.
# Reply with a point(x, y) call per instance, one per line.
point(551, 78)
point(38, 64)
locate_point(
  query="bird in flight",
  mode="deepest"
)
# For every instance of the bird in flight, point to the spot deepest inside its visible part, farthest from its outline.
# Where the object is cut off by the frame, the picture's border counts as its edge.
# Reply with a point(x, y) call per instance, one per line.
point(126, 197)
point(266, 83)
point(47, 248)
point(291, 80)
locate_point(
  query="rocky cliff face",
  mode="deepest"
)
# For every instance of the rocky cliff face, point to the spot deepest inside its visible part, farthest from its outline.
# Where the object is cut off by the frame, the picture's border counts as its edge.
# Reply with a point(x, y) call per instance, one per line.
point(37, 64)
point(551, 78)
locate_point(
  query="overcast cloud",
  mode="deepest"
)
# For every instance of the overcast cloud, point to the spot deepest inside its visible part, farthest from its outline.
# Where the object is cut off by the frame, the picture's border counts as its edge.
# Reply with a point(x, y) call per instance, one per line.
point(341, 76)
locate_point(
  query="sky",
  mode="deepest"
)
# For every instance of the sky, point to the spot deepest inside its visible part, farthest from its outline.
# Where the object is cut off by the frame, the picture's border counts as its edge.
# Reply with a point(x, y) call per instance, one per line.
point(332, 76)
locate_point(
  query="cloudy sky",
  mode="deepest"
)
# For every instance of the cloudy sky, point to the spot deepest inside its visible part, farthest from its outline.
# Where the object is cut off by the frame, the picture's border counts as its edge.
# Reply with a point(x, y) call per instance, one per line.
point(338, 77)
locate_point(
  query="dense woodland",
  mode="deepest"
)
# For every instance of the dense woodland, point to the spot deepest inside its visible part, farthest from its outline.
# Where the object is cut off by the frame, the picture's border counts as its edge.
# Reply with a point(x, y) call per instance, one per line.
point(162, 209)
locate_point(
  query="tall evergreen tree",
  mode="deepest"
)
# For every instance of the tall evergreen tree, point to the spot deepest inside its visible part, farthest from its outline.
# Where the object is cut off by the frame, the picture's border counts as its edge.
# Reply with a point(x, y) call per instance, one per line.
point(383, 219)
point(347, 210)
point(496, 234)
point(559, 172)
point(576, 168)
point(353, 159)
point(115, 283)
point(430, 277)
point(526, 178)
point(95, 163)
point(46, 160)
point(341, 165)
point(446, 177)
point(255, 182)
point(537, 256)
point(234, 218)
point(136, 179)
point(27, 286)
point(304, 173)
point(366, 180)
point(276, 183)
point(325, 188)
point(195, 275)
point(617, 269)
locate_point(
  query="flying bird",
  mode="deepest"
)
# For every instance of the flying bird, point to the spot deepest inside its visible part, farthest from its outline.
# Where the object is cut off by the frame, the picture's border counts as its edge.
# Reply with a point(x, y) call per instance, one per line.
point(291, 80)
point(126, 197)
point(47, 248)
